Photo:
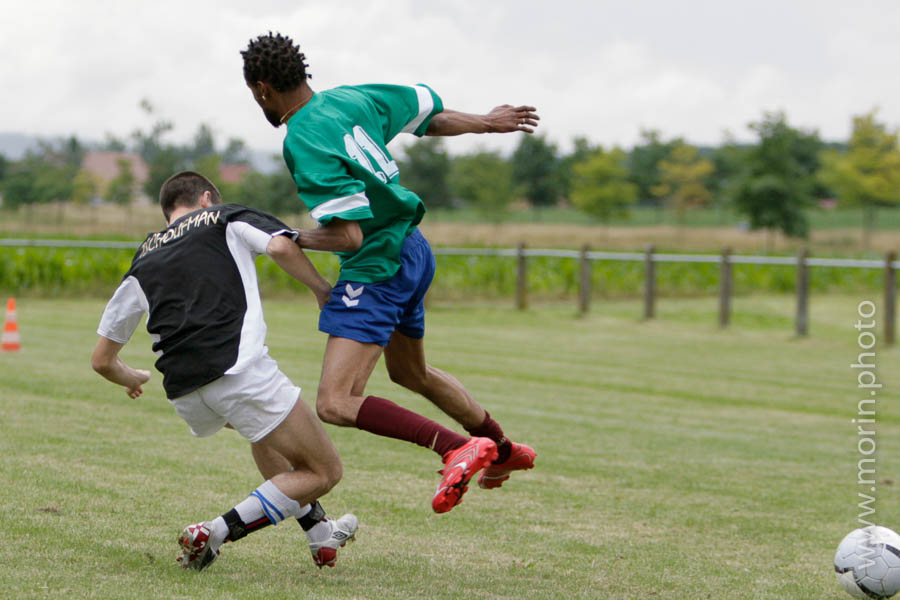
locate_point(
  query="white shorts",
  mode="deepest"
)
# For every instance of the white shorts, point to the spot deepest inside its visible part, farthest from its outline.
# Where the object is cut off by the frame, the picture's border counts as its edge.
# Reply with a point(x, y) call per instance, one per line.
point(254, 401)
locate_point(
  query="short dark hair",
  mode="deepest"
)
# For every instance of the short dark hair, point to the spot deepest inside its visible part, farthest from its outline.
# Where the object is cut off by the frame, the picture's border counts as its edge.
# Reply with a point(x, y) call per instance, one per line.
point(275, 59)
point(185, 189)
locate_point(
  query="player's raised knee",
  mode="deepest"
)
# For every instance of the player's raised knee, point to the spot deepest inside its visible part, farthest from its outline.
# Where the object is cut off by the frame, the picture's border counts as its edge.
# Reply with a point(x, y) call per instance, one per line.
point(329, 411)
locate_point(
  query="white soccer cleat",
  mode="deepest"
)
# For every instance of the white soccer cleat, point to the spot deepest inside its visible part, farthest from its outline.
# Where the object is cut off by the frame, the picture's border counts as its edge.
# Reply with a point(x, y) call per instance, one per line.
point(196, 551)
point(342, 530)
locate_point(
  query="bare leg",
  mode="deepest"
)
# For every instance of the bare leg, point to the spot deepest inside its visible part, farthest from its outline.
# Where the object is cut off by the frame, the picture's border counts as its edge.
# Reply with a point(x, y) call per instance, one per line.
point(405, 360)
point(299, 463)
point(345, 372)
point(269, 462)
point(300, 442)
point(346, 369)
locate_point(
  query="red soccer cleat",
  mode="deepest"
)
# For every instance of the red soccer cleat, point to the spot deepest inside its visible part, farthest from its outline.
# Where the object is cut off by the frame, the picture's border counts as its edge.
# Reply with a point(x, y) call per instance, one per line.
point(196, 551)
point(460, 466)
point(521, 457)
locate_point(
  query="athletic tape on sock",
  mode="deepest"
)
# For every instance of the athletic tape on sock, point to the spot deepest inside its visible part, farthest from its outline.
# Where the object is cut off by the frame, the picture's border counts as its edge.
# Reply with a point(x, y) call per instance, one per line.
point(312, 518)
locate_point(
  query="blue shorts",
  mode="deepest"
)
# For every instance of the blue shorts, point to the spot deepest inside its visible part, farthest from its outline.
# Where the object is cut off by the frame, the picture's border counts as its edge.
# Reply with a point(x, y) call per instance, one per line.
point(371, 312)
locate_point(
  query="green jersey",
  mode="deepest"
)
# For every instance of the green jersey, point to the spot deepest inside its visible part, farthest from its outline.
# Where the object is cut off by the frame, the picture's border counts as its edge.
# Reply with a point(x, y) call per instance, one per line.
point(335, 148)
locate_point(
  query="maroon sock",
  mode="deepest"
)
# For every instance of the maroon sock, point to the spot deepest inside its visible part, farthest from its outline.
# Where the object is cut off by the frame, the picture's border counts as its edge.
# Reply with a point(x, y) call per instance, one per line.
point(491, 429)
point(383, 417)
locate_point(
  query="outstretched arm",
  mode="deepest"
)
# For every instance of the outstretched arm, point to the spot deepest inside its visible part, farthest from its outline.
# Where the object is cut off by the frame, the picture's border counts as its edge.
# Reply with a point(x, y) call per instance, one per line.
point(295, 263)
point(503, 119)
point(105, 360)
point(340, 235)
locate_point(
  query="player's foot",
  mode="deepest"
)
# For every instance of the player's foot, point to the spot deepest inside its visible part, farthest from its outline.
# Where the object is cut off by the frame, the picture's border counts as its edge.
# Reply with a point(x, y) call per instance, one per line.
point(520, 457)
point(343, 529)
point(460, 466)
point(196, 551)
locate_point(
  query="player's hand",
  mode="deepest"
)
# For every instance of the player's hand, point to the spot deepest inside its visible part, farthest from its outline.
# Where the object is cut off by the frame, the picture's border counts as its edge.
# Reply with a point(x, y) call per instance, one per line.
point(323, 294)
point(507, 119)
point(135, 388)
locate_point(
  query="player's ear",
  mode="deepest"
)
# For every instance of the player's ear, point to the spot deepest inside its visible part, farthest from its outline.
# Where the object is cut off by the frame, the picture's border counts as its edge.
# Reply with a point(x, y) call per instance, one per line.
point(206, 200)
point(261, 90)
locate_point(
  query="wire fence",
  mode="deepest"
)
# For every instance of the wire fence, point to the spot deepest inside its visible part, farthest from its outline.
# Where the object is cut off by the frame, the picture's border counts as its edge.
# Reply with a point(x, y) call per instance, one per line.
point(802, 262)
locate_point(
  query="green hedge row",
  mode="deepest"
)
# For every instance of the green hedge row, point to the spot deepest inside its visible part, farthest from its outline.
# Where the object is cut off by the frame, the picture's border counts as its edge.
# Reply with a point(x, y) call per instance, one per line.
point(88, 271)
point(462, 276)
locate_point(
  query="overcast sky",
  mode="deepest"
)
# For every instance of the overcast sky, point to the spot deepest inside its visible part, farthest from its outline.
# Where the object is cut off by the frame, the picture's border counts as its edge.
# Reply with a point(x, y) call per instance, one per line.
point(600, 69)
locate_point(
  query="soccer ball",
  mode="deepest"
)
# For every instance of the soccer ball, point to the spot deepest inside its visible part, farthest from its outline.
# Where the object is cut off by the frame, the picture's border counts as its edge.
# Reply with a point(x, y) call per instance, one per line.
point(867, 562)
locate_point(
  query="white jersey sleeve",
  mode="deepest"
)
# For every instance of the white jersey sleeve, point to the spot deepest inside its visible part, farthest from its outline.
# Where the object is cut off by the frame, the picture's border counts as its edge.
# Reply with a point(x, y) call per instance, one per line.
point(124, 311)
point(256, 229)
point(256, 240)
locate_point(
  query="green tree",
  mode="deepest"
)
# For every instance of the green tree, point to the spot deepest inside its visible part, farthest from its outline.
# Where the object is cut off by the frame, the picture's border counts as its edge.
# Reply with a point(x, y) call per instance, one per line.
point(426, 171)
point(62, 161)
point(779, 178)
point(54, 181)
point(204, 143)
point(643, 164)
point(162, 158)
point(536, 170)
point(484, 181)
point(683, 178)
point(728, 161)
point(20, 186)
point(73, 152)
point(113, 144)
point(120, 189)
point(166, 161)
point(149, 144)
point(210, 167)
point(85, 187)
point(37, 180)
point(600, 185)
point(581, 150)
point(275, 193)
point(67, 152)
point(867, 174)
point(281, 191)
point(235, 152)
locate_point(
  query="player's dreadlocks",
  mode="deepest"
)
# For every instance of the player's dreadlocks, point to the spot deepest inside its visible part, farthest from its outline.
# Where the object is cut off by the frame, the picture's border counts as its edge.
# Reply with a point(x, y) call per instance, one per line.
point(276, 60)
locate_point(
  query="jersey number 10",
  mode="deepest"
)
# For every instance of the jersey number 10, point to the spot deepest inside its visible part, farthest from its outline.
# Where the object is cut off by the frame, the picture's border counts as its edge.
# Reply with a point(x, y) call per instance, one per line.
point(359, 144)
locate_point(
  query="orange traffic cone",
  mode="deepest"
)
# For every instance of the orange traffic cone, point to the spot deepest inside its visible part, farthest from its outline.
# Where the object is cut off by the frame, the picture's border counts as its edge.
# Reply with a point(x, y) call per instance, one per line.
point(10, 341)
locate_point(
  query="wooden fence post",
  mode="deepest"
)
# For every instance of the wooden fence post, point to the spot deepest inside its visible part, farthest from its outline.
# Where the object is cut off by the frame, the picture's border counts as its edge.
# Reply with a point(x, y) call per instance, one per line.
point(890, 298)
point(802, 323)
point(584, 289)
point(649, 284)
point(725, 288)
point(521, 278)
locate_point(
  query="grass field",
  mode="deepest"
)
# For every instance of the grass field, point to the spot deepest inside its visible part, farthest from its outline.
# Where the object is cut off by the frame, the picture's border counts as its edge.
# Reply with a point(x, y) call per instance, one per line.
point(675, 461)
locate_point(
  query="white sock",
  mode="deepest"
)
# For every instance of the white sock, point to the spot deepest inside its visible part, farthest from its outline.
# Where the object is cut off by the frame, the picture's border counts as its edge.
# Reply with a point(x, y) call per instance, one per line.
point(268, 500)
point(319, 532)
point(219, 533)
point(265, 502)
